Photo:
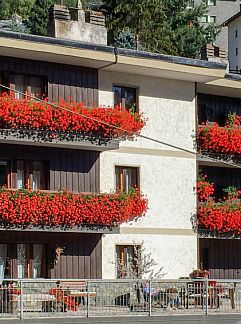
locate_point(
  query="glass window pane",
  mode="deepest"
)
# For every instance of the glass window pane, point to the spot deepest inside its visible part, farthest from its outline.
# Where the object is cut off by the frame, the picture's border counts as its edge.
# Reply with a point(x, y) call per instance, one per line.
point(126, 97)
point(126, 261)
point(3, 256)
point(22, 260)
point(204, 19)
point(36, 86)
point(19, 86)
point(38, 179)
point(126, 178)
point(3, 173)
point(20, 174)
point(117, 95)
point(129, 98)
point(212, 19)
point(37, 260)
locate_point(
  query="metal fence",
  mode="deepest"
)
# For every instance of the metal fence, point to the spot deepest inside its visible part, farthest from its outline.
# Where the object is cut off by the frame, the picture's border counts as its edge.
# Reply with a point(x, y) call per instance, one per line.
point(84, 298)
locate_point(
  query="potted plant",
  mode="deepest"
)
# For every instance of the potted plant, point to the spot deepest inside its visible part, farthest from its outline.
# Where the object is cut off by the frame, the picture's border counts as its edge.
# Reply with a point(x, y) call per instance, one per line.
point(199, 273)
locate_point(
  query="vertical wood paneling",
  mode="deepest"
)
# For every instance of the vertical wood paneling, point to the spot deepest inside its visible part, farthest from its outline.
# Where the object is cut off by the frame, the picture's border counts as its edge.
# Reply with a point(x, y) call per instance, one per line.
point(64, 81)
point(75, 260)
point(222, 178)
point(224, 261)
point(216, 108)
point(81, 257)
point(75, 173)
point(74, 170)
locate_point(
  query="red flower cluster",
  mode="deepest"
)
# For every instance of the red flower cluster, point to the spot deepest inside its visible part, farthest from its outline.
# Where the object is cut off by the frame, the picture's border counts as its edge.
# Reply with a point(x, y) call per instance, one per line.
point(221, 217)
point(218, 139)
point(34, 115)
point(24, 207)
point(64, 300)
point(204, 188)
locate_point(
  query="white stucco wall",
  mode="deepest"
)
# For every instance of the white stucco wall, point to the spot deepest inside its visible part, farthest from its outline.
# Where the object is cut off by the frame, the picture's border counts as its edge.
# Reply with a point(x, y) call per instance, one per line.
point(167, 175)
point(233, 43)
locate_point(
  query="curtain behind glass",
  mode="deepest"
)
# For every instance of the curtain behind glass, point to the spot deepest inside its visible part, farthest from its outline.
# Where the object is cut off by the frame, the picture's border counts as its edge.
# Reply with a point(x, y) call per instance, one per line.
point(3, 256)
point(37, 260)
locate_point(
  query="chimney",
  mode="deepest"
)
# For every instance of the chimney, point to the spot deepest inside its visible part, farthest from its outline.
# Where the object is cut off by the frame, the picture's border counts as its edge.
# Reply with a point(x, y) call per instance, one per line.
point(212, 53)
point(77, 24)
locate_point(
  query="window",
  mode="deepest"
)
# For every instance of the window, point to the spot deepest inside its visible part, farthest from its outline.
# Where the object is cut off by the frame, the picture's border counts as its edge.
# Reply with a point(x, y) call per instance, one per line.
point(211, 2)
point(29, 85)
point(127, 257)
point(19, 174)
point(126, 97)
point(4, 173)
point(22, 260)
point(204, 19)
point(236, 51)
point(31, 261)
point(190, 4)
point(212, 19)
point(126, 178)
point(31, 175)
point(208, 19)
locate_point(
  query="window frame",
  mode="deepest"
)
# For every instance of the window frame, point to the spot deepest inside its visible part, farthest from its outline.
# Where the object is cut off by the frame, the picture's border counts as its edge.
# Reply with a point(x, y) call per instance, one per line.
point(27, 84)
point(130, 86)
point(123, 246)
point(138, 169)
point(28, 173)
point(11, 266)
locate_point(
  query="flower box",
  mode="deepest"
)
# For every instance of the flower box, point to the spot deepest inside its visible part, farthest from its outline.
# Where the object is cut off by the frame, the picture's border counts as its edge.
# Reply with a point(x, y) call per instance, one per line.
point(67, 120)
point(35, 208)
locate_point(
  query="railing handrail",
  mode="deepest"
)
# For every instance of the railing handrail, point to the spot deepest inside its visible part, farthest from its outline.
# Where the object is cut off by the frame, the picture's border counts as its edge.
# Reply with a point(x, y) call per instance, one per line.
point(204, 279)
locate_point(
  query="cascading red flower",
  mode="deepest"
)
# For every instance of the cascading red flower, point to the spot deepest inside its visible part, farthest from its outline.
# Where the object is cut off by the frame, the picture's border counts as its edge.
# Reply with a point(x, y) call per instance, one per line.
point(223, 216)
point(205, 189)
point(35, 208)
point(28, 114)
point(217, 139)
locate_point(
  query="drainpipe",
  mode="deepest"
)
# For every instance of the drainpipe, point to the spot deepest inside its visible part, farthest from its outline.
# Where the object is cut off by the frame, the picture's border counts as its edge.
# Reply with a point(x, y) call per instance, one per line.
point(112, 63)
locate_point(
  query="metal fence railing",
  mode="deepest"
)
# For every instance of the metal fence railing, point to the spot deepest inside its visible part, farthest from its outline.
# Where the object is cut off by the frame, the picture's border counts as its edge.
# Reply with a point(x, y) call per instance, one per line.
point(35, 298)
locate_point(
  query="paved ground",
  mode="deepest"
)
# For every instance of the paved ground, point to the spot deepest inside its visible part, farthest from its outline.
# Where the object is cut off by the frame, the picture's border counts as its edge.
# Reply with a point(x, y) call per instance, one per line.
point(212, 319)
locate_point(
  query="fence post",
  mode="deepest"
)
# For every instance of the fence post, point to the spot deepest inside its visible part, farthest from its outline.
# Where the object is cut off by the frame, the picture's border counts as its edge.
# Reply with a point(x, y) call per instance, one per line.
point(88, 299)
point(21, 299)
point(150, 306)
point(206, 306)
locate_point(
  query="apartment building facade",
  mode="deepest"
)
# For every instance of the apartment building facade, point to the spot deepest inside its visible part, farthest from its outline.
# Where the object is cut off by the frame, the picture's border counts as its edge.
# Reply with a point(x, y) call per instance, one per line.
point(218, 11)
point(173, 95)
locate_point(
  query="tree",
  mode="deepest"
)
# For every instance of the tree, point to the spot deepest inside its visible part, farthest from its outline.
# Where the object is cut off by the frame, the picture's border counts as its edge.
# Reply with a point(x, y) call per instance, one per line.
point(162, 26)
point(187, 34)
point(39, 17)
point(140, 17)
point(140, 265)
point(20, 7)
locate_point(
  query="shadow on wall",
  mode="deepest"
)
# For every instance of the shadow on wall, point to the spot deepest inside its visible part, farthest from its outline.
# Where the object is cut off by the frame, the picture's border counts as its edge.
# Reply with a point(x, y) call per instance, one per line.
point(149, 87)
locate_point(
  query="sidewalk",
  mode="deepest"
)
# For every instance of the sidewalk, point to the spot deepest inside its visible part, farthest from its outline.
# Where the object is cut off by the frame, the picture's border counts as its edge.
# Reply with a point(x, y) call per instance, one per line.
point(212, 319)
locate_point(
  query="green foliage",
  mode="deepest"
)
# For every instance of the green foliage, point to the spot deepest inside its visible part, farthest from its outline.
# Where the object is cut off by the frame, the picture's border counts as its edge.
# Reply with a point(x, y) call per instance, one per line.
point(163, 26)
point(38, 19)
point(67, 3)
point(140, 17)
point(20, 7)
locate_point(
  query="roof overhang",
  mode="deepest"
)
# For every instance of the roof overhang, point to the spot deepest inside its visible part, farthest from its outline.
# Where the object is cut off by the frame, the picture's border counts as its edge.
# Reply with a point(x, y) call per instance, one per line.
point(230, 86)
point(105, 57)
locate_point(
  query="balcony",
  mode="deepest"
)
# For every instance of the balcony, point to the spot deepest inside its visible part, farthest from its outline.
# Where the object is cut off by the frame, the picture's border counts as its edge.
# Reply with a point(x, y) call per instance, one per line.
point(220, 143)
point(65, 211)
point(70, 125)
point(218, 217)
